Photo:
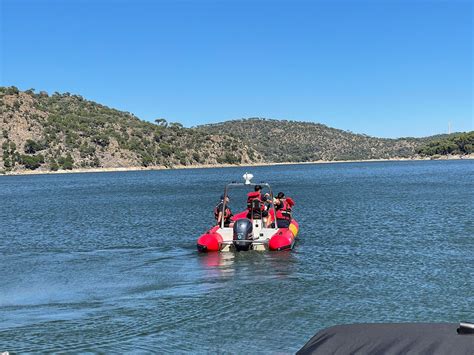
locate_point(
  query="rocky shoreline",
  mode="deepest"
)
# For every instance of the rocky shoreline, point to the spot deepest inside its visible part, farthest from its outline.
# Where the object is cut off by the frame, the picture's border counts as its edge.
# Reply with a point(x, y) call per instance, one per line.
point(211, 166)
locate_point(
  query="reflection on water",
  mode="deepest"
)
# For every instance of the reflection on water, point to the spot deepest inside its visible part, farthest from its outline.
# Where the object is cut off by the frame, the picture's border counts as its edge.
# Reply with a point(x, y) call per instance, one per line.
point(108, 262)
point(216, 260)
point(219, 264)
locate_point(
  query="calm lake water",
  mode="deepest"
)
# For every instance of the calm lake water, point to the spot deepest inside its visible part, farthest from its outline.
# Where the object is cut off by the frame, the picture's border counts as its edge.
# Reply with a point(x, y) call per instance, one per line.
point(108, 262)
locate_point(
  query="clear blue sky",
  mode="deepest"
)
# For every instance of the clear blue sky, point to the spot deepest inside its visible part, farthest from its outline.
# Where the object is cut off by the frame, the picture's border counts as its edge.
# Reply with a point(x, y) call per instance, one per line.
point(386, 68)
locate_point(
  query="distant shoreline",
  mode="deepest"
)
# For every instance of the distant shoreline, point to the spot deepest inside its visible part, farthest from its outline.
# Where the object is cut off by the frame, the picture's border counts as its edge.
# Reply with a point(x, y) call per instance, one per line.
point(212, 166)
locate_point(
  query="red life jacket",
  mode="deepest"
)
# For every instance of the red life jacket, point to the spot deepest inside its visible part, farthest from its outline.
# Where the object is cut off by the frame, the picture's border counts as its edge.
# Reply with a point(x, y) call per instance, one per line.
point(254, 201)
point(284, 212)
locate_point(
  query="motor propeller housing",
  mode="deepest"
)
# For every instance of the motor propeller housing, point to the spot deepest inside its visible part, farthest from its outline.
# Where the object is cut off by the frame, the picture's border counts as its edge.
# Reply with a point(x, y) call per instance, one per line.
point(243, 234)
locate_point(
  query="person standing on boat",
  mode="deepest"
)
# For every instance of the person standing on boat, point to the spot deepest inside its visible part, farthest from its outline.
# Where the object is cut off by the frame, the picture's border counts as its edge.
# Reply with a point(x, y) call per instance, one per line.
point(227, 214)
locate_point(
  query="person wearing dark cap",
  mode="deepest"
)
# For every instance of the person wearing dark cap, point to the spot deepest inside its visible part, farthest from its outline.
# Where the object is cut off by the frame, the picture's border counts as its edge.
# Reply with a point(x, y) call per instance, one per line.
point(283, 206)
point(256, 206)
point(278, 201)
point(258, 188)
point(226, 214)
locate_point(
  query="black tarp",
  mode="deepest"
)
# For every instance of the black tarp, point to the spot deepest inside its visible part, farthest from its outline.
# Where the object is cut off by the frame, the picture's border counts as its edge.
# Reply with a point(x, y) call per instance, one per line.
point(403, 338)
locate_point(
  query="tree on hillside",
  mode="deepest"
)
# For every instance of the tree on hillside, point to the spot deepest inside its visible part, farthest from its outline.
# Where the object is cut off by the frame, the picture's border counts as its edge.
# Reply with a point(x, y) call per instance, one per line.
point(455, 144)
point(67, 163)
point(161, 122)
point(31, 147)
point(175, 125)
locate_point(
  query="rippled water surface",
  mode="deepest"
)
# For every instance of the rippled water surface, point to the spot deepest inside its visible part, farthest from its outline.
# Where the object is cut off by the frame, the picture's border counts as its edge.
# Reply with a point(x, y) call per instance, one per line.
point(107, 261)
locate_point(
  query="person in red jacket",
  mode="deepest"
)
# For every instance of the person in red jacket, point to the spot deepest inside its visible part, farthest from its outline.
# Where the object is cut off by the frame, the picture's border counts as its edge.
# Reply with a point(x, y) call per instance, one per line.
point(258, 188)
point(283, 206)
point(255, 204)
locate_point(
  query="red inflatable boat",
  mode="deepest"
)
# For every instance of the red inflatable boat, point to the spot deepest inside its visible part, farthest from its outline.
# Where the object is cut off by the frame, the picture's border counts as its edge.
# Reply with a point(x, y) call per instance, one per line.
point(259, 227)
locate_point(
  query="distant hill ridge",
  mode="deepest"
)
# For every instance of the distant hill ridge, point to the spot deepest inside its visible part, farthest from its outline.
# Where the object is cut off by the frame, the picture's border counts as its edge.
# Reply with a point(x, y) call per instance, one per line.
point(293, 141)
point(65, 131)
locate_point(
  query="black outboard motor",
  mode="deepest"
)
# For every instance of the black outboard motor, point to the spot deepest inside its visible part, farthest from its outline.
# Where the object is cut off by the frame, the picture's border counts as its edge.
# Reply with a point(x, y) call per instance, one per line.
point(243, 235)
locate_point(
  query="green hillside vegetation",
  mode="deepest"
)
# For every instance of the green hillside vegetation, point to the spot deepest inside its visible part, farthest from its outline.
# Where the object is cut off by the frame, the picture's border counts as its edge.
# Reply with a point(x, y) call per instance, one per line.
point(459, 143)
point(65, 132)
point(292, 141)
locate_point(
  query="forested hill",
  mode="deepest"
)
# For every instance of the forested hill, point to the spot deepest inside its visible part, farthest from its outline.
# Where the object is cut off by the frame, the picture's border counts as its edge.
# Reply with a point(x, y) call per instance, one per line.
point(291, 141)
point(456, 143)
point(65, 131)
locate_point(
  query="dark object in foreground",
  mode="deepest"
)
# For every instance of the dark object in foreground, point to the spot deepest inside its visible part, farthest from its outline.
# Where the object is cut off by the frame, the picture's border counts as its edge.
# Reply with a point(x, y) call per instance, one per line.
point(465, 328)
point(412, 338)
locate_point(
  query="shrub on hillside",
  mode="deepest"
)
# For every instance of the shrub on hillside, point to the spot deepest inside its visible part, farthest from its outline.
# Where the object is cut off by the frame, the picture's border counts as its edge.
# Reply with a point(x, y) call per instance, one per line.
point(66, 163)
point(32, 162)
point(31, 146)
point(101, 139)
point(228, 158)
point(53, 165)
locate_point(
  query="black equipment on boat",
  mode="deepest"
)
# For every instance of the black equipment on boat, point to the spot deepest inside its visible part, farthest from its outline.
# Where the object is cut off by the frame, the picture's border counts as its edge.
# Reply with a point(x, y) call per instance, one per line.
point(243, 236)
